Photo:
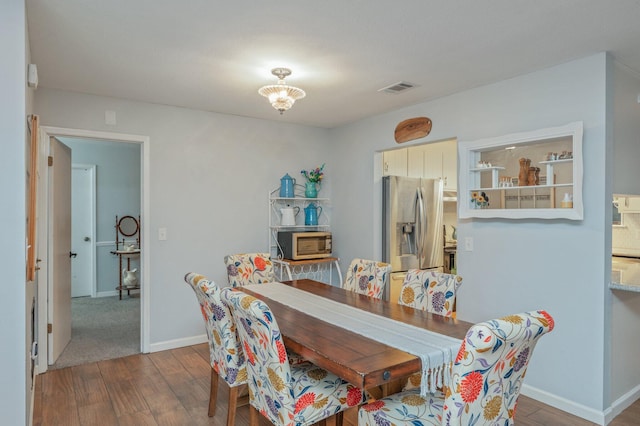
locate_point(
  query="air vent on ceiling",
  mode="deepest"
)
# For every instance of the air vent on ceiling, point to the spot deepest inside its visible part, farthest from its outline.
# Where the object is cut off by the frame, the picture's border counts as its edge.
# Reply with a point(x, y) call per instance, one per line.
point(397, 87)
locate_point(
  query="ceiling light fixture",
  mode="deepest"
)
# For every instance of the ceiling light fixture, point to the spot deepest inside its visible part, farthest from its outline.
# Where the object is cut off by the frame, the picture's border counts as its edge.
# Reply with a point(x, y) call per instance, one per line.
point(281, 96)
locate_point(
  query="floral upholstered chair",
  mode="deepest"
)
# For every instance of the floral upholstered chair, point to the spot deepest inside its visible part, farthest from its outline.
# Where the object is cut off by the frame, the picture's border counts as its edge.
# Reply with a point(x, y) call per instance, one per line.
point(429, 291)
point(367, 277)
point(486, 379)
point(225, 352)
point(249, 268)
point(286, 394)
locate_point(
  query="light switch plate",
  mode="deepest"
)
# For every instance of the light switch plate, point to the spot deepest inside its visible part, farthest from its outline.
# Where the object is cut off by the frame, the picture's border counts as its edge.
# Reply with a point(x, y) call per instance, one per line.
point(468, 244)
point(162, 234)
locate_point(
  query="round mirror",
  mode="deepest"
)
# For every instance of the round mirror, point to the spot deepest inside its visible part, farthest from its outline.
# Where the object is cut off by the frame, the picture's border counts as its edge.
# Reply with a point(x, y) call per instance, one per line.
point(128, 226)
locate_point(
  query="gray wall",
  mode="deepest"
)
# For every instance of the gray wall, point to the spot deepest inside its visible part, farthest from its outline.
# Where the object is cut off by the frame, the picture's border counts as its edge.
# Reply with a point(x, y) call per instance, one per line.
point(517, 265)
point(625, 309)
point(15, 303)
point(210, 179)
point(117, 194)
point(211, 175)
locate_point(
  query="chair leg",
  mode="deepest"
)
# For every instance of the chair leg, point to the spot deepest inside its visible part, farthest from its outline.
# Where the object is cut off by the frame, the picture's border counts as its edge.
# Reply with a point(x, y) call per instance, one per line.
point(335, 420)
point(213, 394)
point(253, 416)
point(235, 400)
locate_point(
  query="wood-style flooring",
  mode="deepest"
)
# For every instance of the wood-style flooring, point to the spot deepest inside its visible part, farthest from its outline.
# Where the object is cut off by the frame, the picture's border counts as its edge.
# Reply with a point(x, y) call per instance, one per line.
point(172, 388)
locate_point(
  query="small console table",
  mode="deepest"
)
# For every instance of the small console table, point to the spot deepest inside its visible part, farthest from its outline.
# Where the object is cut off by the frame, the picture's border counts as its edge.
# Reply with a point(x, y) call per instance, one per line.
point(127, 247)
point(127, 255)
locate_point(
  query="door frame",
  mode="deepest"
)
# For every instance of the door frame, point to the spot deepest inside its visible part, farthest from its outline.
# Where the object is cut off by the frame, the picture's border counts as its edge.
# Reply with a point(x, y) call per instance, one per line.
point(145, 254)
point(91, 168)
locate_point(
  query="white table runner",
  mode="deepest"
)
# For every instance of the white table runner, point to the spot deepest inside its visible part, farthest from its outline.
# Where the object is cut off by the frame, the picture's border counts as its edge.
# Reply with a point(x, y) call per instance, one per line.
point(436, 351)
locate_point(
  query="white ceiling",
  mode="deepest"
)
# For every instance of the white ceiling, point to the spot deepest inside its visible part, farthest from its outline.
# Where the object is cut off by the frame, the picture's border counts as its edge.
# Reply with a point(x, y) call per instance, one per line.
point(214, 55)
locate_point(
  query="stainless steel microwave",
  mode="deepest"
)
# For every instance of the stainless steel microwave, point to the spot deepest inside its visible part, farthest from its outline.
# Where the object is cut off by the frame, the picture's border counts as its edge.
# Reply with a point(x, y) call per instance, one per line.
point(304, 245)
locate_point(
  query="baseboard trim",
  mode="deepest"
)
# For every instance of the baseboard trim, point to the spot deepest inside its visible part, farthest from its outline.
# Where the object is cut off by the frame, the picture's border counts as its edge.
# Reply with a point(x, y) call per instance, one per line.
point(107, 293)
point(564, 404)
point(622, 403)
point(178, 343)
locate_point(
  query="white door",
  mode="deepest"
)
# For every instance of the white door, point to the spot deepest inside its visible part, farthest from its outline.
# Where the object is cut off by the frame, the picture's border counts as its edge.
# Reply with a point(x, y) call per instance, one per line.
point(60, 215)
point(42, 237)
point(82, 238)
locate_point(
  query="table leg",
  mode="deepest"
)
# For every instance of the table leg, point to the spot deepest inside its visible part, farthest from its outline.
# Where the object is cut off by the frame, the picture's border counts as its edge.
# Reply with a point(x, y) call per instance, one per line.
point(120, 273)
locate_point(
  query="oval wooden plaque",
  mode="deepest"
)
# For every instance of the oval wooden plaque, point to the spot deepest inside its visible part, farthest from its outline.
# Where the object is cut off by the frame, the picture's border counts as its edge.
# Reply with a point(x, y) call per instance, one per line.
point(413, 128)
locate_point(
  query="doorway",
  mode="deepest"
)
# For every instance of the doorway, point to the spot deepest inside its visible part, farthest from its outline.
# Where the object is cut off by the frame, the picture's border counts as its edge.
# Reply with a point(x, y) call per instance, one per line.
point(431, 160)
point(141, 144)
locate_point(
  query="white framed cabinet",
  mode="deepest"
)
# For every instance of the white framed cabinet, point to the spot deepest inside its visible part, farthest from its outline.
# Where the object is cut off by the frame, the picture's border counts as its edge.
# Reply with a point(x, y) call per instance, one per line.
point(394, 162)
point(435, 160)
point(535, 174)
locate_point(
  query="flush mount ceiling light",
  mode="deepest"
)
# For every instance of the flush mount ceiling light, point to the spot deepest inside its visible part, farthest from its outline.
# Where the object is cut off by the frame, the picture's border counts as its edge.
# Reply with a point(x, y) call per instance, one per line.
point(281, 96)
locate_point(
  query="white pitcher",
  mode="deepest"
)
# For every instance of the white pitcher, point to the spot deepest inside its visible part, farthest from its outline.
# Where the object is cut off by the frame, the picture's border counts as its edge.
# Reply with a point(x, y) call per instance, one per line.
point(289, 215)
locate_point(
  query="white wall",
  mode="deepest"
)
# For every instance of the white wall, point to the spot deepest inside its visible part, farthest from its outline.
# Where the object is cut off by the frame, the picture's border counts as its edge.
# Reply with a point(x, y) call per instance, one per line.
point(517, 265)
point(117, 193)
point(625, 323)
point(14, 298)
point(210, 179)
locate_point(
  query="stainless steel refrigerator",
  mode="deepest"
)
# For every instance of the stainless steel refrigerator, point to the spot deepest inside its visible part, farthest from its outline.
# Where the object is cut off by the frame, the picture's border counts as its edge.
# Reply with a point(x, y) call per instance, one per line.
point(412, 231)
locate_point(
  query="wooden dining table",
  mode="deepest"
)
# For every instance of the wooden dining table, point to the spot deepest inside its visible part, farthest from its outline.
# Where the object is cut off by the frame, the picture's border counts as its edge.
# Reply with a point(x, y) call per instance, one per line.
point(362, 361)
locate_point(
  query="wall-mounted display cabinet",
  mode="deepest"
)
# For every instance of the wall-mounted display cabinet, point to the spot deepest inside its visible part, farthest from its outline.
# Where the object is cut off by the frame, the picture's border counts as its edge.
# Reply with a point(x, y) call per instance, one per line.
point(535, 174)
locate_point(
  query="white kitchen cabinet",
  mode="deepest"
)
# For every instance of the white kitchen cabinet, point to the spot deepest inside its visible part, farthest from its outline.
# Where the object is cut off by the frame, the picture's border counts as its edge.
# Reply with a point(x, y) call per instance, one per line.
point(627, 203)
point(523, 175)
point(415, 161)
point(394, 162)
point(433, 161)
point(450, 164)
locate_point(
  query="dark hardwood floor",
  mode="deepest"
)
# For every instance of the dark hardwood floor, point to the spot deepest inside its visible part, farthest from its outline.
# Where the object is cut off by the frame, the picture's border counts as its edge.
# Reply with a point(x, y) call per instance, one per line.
point(172, 388)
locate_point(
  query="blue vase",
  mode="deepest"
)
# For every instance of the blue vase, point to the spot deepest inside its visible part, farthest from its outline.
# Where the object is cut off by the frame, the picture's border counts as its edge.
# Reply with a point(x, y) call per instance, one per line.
point(310, 190)
point(311, 214)
point(287, 183)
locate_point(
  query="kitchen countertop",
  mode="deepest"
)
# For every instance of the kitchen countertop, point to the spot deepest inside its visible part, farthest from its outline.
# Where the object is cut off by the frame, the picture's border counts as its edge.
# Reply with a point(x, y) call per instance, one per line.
point(625, 274)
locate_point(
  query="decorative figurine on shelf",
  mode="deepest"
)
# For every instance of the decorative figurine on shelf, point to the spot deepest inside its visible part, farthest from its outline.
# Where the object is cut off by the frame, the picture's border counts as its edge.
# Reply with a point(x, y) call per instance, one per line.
point(567, 201)
point(534, 176)
point(479, 200)
point(129, 247)
point(129, 278)
point(314, 179)
point(523, 177)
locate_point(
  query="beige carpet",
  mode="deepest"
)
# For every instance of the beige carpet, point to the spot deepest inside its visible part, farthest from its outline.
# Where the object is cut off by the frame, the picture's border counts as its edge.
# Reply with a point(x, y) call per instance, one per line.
point(102, 328)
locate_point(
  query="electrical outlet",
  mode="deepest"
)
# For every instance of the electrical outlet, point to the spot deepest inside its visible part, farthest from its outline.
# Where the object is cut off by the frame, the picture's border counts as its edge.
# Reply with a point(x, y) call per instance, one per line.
point(468, 244)
point(162, 234)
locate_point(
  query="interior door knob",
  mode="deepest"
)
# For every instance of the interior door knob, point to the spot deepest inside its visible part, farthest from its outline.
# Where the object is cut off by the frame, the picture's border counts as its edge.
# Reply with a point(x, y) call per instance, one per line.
point(72, 254)
point(87, 239)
